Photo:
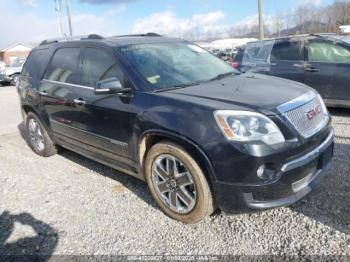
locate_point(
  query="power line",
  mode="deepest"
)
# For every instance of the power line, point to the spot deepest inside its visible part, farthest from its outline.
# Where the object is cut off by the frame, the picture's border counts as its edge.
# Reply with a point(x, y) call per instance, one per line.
point(261, 21)
point(69, 18)
point(58, 10)
point(58, 15)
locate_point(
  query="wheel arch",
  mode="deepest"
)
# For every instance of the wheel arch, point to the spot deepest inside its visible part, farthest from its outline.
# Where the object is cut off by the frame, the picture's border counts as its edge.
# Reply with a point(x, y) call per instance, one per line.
point(151, 137)
point(26, 109)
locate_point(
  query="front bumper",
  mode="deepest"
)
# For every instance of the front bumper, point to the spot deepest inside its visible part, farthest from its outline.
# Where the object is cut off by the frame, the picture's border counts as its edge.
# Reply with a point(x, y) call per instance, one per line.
point(297, 178)
point(4, 78)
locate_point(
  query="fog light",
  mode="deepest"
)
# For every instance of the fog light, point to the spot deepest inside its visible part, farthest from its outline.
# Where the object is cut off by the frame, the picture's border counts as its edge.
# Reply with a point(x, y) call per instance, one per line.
point(266, 172)
point(260, 172)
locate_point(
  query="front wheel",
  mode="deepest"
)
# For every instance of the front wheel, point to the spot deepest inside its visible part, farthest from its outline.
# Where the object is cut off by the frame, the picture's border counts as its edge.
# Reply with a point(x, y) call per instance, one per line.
point(15, 79)
point(177, 183)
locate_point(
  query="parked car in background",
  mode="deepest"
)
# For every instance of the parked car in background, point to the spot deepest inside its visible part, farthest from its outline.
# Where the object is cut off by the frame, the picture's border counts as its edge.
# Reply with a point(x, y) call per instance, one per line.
point(226, 55)
point(223, 55)
point(11, 73)
point(321, 61)
point(202, 135)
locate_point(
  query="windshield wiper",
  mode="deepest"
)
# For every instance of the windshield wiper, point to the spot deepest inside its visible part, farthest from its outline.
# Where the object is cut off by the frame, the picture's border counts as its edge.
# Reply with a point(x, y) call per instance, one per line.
point(220, 76)
point(176, 87)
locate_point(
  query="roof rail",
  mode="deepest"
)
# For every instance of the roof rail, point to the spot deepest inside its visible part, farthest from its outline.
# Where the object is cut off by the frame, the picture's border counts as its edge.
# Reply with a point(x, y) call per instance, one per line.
point(323, 34)
point(71, 38)
point(147, 34)
point(93, 36)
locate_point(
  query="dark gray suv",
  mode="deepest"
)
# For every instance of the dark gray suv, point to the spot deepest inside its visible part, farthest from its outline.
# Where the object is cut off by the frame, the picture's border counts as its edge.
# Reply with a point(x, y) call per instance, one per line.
point(320, 61)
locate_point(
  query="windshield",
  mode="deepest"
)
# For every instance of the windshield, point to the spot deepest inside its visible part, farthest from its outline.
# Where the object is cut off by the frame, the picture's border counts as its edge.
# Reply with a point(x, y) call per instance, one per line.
point(346, 39)
point(17, 62)
point(166, 65)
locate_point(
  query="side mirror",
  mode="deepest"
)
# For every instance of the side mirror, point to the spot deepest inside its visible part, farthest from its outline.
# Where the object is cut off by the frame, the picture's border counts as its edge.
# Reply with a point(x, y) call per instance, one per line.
point(110, 86)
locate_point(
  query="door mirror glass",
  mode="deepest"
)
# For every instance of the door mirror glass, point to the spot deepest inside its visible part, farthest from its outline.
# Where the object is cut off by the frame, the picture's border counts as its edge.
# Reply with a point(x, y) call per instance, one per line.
point(109, 86)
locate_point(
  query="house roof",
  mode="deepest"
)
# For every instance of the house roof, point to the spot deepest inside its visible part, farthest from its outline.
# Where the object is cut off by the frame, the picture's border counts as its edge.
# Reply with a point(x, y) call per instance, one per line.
point(14, 45)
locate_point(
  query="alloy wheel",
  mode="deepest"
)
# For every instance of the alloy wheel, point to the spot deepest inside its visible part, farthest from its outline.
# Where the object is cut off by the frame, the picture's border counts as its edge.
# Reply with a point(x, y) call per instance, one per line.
point(174, 184)
point(35, 135)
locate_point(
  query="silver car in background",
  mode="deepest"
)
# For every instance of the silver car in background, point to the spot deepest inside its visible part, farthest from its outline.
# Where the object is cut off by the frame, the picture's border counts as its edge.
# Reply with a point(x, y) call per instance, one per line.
point(10, 73)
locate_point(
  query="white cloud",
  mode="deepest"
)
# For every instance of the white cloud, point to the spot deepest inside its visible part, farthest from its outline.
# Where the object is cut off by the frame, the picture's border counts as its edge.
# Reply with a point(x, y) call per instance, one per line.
point(200, 26)
point(98, 2)
point(309, 2)
point(30, 2)
point(197, 26)
point(315, 2)
point(29, 28)
point(209, 18)
point(251, 23)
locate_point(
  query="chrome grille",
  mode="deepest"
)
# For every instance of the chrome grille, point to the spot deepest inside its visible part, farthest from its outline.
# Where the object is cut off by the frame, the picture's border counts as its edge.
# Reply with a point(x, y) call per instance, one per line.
point(309, 117)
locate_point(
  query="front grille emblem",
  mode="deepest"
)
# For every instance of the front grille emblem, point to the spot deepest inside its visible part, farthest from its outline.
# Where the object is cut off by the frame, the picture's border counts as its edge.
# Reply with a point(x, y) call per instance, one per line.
point(314, 112)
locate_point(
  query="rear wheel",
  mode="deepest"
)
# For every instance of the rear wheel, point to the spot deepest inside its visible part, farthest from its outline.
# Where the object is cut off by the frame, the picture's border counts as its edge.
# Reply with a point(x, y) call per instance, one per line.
point(177, 183)
point(39, 140)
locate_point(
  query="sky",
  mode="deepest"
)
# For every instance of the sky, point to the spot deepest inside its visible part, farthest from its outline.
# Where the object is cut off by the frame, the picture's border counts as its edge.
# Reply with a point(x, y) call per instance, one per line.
point(30, 21)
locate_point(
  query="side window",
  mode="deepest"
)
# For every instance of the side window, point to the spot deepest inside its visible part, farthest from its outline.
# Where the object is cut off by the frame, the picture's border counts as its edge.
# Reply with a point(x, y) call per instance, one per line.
point(64, 66)
point(328, 52)
point(98, 65)
point(288, 51)
point(36, 63)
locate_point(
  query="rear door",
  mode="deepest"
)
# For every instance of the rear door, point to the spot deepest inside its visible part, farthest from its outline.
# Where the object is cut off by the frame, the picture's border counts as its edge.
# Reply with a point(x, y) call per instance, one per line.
point(58, 90)
point(287, 60)
point(328, 69)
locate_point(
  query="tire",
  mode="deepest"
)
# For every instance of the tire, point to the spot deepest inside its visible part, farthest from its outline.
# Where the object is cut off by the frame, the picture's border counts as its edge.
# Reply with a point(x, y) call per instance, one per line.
point(15, 79)
point(169, 193)
point(36, 131)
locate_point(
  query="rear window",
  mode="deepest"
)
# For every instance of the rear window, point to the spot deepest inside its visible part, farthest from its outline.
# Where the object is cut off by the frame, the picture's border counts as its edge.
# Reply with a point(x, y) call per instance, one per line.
point(64, 66)
point(328, 52)
point(288, 51)
point(36, 63)
point(257, 55)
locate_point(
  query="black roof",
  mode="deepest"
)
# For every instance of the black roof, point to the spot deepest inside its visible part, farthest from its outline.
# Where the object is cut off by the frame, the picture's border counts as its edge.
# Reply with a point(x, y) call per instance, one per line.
point(303, 36)
point(115, 40)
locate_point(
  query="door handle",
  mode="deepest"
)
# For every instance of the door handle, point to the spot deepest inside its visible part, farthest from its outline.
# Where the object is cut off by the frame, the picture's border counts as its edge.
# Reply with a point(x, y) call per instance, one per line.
point(43, 93)
point(79, 102)
point(312, 70)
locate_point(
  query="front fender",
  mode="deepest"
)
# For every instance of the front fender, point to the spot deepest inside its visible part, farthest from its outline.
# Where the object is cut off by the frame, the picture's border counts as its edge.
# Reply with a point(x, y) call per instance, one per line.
point(191, 147)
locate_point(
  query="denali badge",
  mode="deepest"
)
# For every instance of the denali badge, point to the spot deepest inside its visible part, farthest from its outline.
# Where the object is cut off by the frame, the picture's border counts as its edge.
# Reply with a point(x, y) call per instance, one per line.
point(313, 112)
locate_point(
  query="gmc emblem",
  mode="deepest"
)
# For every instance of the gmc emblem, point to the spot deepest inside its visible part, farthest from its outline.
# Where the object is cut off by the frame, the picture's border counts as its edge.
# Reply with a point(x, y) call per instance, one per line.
point(313, 112)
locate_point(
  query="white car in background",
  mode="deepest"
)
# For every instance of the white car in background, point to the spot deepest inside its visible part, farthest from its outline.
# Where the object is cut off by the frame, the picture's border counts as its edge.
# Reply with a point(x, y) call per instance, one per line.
point(10, 73)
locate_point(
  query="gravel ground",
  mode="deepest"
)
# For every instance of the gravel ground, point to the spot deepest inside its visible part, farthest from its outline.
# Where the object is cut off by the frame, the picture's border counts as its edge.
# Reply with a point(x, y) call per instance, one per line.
point(68, 204)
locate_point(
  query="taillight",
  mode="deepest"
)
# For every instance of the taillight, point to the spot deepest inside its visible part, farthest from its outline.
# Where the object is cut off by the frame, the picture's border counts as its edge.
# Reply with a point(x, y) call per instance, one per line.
point(235, 65)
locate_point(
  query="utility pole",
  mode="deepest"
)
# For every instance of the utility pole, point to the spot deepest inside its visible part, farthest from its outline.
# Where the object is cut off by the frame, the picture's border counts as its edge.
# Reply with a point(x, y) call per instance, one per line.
point(58, 14)
point(261, 21)
point(69, 18)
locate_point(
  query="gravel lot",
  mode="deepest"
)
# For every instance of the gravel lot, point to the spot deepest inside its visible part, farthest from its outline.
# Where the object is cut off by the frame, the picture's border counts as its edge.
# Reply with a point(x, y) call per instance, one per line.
point(68, 204)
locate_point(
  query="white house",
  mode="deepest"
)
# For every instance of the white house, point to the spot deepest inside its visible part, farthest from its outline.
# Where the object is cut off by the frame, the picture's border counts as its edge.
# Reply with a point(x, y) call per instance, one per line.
point(345, 29)
point(17, 50)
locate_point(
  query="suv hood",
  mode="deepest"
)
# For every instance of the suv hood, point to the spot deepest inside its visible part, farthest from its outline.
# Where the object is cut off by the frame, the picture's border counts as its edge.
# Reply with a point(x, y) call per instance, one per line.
point(251, 91)
point(12, 70)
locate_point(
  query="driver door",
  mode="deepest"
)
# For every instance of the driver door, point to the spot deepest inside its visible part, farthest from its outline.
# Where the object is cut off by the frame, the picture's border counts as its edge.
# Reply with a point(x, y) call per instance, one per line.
point(105, 120)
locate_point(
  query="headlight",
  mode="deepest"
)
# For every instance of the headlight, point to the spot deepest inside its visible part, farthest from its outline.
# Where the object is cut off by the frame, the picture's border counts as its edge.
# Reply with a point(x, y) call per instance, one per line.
point(244, 126)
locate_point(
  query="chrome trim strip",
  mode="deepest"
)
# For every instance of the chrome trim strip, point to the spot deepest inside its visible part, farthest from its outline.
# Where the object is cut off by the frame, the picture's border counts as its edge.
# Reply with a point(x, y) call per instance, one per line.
point(67, 84)
point(337, 102)
point(310, 156)
point(116, 142)
point(295, 103)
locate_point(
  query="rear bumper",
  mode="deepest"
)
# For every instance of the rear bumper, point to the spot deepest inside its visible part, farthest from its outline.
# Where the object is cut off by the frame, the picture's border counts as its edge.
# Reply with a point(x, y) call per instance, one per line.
point(297, 178)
